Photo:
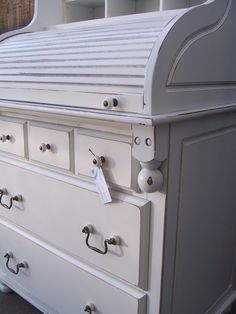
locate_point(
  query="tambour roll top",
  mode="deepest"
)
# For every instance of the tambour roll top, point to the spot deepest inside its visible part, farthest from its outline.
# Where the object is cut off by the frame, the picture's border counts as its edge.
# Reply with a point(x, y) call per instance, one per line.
point(83, 65)
point(150, 64)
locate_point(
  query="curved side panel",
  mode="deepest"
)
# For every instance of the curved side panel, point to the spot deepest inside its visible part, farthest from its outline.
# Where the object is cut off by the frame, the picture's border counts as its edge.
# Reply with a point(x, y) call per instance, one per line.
point(202, 60)
point(160, 97)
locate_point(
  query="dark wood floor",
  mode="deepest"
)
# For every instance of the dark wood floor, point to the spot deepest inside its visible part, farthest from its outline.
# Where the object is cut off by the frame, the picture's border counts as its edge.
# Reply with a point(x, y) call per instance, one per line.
point(14, 304)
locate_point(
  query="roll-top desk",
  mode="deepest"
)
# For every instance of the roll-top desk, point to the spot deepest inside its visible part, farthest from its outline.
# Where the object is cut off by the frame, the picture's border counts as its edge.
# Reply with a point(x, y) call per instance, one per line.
point(117, 162)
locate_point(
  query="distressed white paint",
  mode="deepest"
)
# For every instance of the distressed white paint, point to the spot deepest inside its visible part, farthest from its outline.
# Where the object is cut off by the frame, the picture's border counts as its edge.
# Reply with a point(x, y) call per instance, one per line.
point(117, 167)
point(62, 75)
point(147, 56)
point(60, 212)
point(70, 289)
point(107, 59)
point(59, 140)
point(16, 143)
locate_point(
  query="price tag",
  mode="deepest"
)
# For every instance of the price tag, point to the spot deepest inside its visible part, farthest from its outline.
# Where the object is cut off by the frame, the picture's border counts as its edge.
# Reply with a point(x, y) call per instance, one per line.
point(101, 185)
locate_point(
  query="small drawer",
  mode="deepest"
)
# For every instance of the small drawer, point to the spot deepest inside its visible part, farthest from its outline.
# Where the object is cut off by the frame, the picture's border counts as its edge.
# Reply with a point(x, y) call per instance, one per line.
point(59, 213)
point(12, 137)
point(118, 158)
point(50, 146)
point(60, 286)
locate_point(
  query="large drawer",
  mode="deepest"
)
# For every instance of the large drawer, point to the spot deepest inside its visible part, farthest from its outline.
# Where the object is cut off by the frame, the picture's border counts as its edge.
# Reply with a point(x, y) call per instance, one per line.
point(12, 138)
point(58, 212)
point(60, 286)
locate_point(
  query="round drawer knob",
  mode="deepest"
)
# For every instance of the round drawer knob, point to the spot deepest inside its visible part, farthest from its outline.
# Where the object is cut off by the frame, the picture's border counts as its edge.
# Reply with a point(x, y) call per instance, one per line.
point(43, 147)
point(89, 308)
point(109, 103)
point(97, 160)
point(4, 138)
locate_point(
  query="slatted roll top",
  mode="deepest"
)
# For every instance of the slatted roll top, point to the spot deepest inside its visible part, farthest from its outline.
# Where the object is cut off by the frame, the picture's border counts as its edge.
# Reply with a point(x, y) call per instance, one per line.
point(161, 64)
point(82, 64)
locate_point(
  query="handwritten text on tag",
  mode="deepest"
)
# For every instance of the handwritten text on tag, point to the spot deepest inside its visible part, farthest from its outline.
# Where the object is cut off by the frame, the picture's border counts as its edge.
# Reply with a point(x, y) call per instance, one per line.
point(101, 185)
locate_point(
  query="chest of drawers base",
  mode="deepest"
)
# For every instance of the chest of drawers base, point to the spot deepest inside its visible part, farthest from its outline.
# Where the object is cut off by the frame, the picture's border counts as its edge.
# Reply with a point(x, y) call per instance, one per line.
point(145, 253)
point(56, 285)
point(48, 198)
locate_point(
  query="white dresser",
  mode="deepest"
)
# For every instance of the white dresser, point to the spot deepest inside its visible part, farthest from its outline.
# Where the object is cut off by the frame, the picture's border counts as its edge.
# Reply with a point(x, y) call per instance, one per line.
point(117, 162)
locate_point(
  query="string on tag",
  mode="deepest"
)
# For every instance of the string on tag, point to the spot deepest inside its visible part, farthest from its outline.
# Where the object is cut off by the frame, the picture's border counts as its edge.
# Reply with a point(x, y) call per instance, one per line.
point(100, 181)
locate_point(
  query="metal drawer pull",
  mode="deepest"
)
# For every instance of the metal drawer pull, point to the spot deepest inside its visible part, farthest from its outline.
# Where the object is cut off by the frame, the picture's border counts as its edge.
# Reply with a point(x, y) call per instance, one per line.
point(89, 308)
point(112, 241)
point(16, 198)
point(43, 147)
point(9, 255)
point(4, 138)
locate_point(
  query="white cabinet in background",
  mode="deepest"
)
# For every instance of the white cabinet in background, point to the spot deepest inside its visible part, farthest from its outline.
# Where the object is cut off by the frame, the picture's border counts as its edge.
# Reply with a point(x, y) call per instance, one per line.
point(78, 10)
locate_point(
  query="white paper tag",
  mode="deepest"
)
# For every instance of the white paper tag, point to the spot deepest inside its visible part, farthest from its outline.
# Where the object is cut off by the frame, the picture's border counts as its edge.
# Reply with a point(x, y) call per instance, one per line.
point(101, 185)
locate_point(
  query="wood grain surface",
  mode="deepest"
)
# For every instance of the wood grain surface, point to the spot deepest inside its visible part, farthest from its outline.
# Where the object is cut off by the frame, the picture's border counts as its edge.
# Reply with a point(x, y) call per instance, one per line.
point(15, 14)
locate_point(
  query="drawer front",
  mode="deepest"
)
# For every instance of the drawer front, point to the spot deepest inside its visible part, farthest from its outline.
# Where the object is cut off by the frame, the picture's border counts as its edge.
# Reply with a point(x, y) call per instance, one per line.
point(61, 287)
point(118, 160)
point(58, 212)
point(12, 138)
point(50, 146)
